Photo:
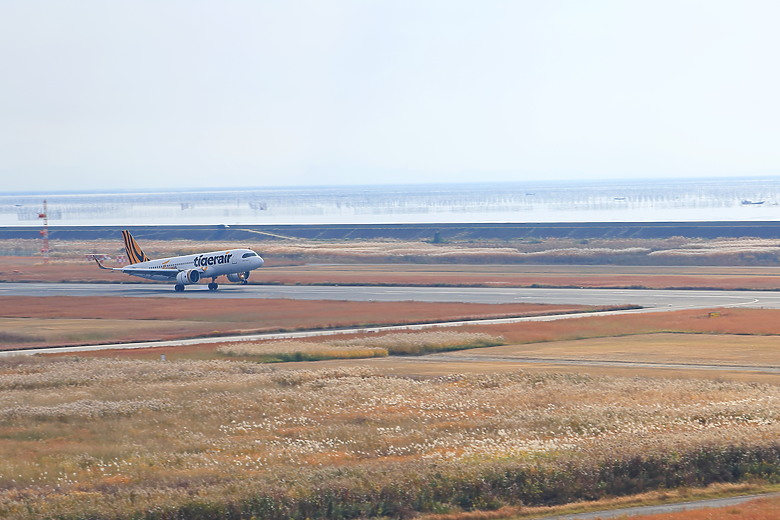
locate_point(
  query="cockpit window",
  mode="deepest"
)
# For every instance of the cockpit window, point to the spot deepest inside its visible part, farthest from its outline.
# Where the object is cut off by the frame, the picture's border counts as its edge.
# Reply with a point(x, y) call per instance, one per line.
point(247, 255)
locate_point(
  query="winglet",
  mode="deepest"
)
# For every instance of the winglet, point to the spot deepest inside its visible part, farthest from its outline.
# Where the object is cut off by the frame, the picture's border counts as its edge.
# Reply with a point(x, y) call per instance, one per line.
point(101, 265)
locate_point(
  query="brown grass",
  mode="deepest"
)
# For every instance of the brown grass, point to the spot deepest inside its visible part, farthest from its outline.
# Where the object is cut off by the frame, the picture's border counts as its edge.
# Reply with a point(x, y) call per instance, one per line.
point(695, 321)
point(290, 350)
point(693, 349)
point(63, 320)
point(525, 276)
point(114, 439)
point(432, 367)
point(263, 311)
point(382, 345)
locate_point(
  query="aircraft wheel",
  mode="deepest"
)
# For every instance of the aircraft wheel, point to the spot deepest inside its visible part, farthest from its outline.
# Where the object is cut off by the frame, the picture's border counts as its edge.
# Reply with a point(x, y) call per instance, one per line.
point(179, 287)
point(244, 282)
point(213, 286)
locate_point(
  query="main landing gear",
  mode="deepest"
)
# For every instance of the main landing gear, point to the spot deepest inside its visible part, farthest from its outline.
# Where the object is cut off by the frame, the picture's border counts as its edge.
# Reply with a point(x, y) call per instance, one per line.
point(212, 286)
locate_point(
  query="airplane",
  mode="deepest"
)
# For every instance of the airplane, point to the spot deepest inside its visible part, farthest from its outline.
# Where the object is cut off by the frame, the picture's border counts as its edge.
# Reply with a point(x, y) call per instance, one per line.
point(189, 269)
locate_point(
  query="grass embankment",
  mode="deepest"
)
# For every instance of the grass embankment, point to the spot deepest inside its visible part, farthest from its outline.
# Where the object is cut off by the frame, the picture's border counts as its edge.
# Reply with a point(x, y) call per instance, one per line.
point(117, 439)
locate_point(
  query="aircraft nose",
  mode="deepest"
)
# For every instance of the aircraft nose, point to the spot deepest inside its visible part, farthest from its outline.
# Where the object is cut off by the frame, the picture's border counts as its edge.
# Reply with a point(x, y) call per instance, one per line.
point(259, 262)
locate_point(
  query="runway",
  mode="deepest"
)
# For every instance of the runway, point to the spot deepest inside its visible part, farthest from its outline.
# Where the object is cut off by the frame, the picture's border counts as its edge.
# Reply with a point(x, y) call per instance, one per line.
point(649, 298)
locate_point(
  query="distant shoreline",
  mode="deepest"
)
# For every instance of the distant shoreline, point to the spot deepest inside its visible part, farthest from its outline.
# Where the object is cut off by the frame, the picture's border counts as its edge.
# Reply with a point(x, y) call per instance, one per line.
point(415, 232)
point(678, 200)
point(422, 186)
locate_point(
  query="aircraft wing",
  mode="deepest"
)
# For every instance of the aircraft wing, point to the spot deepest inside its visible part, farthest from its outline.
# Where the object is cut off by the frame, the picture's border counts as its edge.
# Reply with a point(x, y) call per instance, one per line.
point(170, 272)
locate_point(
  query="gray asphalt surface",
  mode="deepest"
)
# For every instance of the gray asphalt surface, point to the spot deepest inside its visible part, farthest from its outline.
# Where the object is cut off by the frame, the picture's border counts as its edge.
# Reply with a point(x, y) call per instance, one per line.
point(668, 299)
point(656, 510)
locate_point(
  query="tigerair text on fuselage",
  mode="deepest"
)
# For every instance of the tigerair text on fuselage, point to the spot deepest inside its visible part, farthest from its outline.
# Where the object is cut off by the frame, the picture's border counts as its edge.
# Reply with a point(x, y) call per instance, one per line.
point(204, 261)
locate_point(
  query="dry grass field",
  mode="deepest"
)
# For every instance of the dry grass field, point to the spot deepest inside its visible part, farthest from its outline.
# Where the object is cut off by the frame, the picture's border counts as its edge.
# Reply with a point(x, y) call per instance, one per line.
point(359, 438)
point(107, 438)
point(679, 348)
point(380, 345)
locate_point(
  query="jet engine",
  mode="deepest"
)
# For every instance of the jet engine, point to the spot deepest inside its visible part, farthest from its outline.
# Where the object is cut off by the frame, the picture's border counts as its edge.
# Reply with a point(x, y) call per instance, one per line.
point(187, 277)
point(238, 277)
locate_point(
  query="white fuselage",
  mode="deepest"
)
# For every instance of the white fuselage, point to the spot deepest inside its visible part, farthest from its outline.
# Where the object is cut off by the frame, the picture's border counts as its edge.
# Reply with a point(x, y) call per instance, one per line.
point(209, 265)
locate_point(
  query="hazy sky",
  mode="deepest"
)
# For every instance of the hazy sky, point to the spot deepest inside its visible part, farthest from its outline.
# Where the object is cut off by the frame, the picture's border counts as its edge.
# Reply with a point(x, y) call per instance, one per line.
point(101, 94)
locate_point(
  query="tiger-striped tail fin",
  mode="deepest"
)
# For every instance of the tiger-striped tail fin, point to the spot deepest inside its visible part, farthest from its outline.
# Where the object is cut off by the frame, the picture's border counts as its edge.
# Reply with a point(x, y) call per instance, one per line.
point(134, 252)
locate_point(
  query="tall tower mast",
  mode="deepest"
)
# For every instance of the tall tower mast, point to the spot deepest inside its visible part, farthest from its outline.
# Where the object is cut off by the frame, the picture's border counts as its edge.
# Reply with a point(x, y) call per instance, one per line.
point(45, 232)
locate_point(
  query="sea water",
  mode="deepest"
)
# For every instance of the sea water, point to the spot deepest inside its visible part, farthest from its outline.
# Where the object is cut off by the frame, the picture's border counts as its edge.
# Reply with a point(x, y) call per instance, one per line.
point(729, 199)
